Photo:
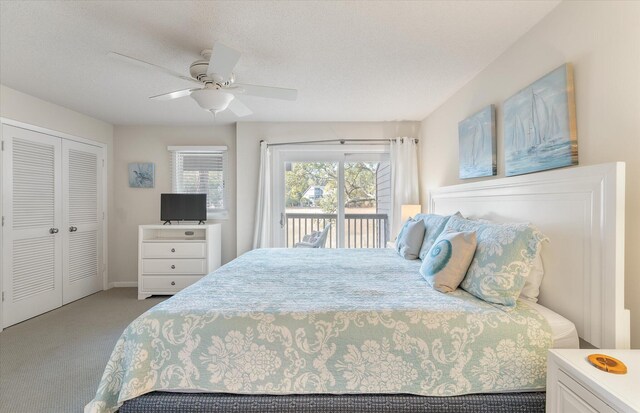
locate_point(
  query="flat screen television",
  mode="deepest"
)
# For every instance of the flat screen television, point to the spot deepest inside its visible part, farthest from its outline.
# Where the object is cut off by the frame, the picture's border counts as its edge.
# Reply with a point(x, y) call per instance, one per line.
point(183, 207)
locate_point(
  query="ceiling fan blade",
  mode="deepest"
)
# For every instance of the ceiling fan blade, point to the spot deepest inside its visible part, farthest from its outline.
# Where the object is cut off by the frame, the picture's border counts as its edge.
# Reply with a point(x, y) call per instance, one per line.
point(239, 109)
point(265, 91)
point(148, 65)
point(223, 60)
point(173, 95)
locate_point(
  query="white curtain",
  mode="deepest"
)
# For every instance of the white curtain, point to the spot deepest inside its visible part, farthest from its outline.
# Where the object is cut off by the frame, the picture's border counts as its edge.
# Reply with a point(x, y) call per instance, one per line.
point(404, 179)
point(262, 236)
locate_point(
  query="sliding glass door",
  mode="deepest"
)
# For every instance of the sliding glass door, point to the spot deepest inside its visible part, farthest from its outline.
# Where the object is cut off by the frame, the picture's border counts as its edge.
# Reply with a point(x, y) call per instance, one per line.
point(332, 197)
point(311, 201)
point(367, 202)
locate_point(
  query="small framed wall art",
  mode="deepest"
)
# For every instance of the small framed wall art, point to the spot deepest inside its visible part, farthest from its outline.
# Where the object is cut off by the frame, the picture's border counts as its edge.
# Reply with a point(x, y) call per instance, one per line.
point(477, 144)
point(141, 175)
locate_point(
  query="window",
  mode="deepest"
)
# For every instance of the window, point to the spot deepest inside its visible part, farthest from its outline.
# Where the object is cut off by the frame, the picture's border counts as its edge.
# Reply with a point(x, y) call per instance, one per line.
point(201, 170)
point(346, 189)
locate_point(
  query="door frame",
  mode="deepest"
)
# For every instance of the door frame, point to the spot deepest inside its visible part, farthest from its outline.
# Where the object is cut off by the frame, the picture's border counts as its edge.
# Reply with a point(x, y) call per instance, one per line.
point(315, 153)
point(105, 197)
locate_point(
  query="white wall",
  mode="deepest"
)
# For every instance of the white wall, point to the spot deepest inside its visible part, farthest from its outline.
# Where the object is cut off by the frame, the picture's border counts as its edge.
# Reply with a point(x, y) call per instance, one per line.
point(136, 206)
point(249, 135)
point(29, 109)
point(602, 40)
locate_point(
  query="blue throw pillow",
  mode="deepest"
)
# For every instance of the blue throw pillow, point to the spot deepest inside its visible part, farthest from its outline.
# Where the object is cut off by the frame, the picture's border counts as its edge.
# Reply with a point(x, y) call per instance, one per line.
point(433, 226)
point(410, 239)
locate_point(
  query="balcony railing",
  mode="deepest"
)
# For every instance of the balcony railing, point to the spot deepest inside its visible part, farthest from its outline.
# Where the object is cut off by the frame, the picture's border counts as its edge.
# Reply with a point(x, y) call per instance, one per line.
point(361, 230)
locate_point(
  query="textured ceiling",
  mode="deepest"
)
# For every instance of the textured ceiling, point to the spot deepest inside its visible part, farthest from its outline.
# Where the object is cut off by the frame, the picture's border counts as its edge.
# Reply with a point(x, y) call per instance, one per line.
point(350, 61)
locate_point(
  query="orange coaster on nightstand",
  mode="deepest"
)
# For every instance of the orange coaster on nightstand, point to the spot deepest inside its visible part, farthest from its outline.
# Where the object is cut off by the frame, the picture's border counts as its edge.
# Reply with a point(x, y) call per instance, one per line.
point(607, 363)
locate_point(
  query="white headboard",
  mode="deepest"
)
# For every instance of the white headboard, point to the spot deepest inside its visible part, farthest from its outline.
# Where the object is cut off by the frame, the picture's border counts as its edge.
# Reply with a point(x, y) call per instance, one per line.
point(581, 210)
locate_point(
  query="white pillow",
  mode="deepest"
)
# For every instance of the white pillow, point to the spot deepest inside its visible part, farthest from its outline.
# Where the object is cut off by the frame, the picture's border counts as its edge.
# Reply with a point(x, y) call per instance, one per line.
point(531, 289)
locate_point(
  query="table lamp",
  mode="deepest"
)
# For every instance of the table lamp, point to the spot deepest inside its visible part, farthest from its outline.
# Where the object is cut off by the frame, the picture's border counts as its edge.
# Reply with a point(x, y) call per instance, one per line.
point(409, 210)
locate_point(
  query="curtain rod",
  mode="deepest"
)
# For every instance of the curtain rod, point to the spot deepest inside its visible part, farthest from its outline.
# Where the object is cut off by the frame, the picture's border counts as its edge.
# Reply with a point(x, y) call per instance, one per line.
point(340, 141)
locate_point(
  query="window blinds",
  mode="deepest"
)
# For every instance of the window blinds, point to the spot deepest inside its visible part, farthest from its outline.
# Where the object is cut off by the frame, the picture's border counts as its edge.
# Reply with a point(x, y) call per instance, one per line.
point(201, 172)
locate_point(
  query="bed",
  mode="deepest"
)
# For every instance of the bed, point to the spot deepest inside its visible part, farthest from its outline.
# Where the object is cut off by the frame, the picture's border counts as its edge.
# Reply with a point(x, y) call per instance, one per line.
point(357, 330)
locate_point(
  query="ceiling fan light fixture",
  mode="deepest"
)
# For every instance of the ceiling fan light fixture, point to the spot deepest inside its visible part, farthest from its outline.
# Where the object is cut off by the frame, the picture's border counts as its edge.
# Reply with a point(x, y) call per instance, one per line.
point(216, 80)
point(213, 100)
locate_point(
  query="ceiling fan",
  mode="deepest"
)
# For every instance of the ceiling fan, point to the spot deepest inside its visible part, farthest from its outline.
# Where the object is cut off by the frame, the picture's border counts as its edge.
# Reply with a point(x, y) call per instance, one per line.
point(218, 90)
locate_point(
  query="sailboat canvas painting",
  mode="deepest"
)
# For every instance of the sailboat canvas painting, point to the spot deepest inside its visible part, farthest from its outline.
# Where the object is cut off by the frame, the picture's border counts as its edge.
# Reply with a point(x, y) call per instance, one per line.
point(540, 125)
point(477, 144)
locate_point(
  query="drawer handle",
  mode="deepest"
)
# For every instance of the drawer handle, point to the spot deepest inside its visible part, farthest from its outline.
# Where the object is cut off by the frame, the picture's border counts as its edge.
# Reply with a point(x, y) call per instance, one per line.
point(173, 250)
point(173, 283)
point(173, 267)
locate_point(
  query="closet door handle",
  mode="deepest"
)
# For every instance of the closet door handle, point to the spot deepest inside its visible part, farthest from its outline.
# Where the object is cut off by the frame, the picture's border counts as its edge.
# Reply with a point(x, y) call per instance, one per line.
point(53, 230)
point(73, 229)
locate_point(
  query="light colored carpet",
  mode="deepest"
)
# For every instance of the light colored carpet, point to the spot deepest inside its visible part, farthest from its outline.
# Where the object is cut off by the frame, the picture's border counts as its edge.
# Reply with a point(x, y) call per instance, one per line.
point(53, 362)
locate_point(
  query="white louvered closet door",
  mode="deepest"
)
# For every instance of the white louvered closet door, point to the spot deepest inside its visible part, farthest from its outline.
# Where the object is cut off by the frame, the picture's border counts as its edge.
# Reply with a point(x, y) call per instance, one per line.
point(82, 212)
point(32, 207)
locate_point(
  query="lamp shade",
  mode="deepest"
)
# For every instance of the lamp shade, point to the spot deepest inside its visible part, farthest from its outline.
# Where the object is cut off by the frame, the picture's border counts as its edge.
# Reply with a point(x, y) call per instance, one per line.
point(409, 210)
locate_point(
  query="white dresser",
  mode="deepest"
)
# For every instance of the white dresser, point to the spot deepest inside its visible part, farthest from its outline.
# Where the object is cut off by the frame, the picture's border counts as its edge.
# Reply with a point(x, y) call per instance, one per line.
point(575, 386)
point(172, 257)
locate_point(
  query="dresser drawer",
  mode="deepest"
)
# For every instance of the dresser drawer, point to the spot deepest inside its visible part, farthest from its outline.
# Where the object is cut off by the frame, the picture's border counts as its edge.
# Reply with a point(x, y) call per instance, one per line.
point(166, 283)
point(174, 250)
point(173, 266)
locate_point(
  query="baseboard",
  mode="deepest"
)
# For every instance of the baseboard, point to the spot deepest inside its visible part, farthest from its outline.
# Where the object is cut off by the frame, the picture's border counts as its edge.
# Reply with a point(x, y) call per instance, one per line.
point(123, 284)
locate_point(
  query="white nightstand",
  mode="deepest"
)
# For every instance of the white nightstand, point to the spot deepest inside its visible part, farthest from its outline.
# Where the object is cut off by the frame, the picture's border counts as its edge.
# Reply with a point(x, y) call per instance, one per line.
point(574, 385)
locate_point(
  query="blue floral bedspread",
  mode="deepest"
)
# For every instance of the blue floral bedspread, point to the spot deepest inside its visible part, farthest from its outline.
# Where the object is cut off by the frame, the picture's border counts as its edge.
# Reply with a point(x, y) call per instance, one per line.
point(282, 321)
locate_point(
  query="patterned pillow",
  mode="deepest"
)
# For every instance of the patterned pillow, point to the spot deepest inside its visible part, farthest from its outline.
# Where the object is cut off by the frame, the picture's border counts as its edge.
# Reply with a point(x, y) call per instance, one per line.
point(410, 239)
point(503, 258)
point(533, 280)
point(447, 262)
point(433, 226)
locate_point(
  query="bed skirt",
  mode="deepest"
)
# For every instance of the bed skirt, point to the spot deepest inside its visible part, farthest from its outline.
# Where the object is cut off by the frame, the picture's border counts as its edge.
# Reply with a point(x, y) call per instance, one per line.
point(165, 402)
